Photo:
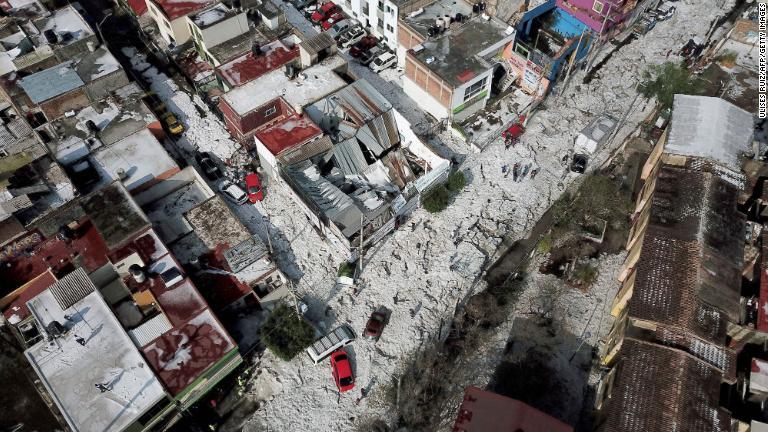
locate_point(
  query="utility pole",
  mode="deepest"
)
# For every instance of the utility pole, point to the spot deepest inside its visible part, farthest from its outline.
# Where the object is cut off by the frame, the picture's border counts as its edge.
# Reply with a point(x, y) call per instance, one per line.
point(360, 251)
point(570, 64)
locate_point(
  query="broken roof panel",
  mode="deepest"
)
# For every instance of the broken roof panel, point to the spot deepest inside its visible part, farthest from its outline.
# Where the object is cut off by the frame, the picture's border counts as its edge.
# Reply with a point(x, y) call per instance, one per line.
point(349, 157)
point(51, 82)
point(709, 127)
point(245, 253)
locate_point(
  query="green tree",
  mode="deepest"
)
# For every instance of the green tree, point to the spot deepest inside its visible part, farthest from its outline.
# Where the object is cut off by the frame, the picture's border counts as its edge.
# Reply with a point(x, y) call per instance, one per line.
point(285, 333)
point(436, 200)
point(665, 80)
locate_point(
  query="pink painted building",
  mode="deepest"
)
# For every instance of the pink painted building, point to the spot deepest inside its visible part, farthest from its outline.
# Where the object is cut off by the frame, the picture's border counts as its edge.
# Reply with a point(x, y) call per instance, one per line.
point(600, 15)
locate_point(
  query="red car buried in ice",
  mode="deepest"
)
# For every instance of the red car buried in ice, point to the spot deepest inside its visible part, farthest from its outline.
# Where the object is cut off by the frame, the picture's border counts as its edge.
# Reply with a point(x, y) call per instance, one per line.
point(323, 12)
point(342, 371)
point(253, 188)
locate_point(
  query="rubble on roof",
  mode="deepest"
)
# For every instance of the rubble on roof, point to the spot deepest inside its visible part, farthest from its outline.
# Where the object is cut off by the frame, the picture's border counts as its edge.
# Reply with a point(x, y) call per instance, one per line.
point(115, 214)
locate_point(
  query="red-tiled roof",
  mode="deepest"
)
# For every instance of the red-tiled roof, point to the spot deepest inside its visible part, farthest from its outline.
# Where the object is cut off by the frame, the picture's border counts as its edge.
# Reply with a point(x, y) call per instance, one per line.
point(138, 6)
point(31, 255)
point(290, 132)
point(178, 8)
point(16, 309)
point(182, 354)
point(248, 67)
point(483, 411)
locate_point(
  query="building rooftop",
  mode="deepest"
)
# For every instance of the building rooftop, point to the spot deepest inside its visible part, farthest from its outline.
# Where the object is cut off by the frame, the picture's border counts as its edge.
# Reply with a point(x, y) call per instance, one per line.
point(67, 23)
point(174, 9)
point(141, 158)
point(249, 67)
point(457, 56)
point(116, 117)
point(115, 215)
point(657, 387)
point(241, 255)
point(482, 411)
point(182, 354)
point(688, 275)
point(438, 9)
point(97, 64)
point(711, 128)
point(238, 45)
point(215, 225)
point(70, 371)
point(311, 85)
point(51, 82)
point(14, 305)
point(212, 15)
point(288, 133)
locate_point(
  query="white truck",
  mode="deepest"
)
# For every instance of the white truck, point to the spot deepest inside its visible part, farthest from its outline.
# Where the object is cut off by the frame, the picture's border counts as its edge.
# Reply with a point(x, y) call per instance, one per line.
point(590, 139)
point(323, 347)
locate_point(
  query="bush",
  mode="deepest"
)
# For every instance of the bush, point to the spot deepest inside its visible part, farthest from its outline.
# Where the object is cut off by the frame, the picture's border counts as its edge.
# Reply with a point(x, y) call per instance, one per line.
point(727, 59)
point(545, 244)
point(285, 333)
point(585, 274)
point(346, 269)
point(456, 181)
point(436, 200)
point(665, 80)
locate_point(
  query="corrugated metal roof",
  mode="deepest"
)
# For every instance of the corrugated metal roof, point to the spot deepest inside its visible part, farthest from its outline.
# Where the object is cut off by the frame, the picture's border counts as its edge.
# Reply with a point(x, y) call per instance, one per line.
point(303, 152)
point(150, 330)
point(349, 157)
point(72, 288)
point(710, 127)
point(51, 82)
point(318, 43)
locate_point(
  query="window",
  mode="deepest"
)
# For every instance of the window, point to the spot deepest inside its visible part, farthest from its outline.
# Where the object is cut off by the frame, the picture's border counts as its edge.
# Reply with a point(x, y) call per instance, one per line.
point(598, 6)
point(390, 28)
point(381, 5)
point(3, 152)
point(270, 111)
point(474, 89)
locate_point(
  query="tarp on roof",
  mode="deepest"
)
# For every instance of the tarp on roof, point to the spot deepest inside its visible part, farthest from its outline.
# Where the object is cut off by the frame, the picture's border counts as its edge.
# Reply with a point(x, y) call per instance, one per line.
point(51, 82)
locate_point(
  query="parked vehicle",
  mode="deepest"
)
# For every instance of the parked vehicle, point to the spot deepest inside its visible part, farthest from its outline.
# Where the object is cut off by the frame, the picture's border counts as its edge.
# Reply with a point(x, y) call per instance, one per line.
point(332, 20)
point(323, 12)
point(342, 371)
point(208, 166)
point(323, 347)
point(590, 139)
point(375, 325)
point(341, 27)
point(233, 192)
point(351, 36)
point(253, 188)
point(371, 55)
point(643, 26)
point(362, 46)
point(384, 61)
point(302, 4)
point(172, 124)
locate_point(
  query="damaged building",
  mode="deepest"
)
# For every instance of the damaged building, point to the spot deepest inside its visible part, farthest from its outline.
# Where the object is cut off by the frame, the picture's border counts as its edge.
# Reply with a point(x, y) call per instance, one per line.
point(359, 181)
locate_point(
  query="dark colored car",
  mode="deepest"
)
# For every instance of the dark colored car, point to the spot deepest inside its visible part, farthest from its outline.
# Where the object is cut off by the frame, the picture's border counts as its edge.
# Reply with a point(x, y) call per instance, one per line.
point(342, 371)
point(208, 166)
point(375, 325)
point(362, 46)
point(253, 188)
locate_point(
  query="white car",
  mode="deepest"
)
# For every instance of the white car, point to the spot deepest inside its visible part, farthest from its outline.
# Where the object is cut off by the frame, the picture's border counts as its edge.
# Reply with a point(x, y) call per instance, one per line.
point(233, 192)
point(383, 61)
point(338, 28)
point(351, 36)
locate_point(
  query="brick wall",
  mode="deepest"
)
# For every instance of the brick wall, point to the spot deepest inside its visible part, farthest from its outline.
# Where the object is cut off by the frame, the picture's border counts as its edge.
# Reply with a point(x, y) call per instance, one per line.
point(243, 128)
point(427, 80)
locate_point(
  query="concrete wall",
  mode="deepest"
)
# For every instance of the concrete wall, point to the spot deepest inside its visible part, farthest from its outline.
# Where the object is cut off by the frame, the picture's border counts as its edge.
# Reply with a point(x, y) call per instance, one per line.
point(462, 109)
point(406, 39)
point(424, 100)
point(176, 31)
point(223, 30)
